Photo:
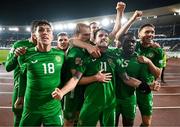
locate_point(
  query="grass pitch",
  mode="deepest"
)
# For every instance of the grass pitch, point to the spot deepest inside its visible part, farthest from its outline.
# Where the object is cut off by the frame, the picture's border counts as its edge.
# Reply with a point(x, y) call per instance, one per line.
point(3, 55)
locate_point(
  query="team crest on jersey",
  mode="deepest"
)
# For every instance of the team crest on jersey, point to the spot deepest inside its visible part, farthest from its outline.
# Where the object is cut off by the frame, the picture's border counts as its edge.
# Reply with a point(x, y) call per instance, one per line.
point(35, 61)
point(78, 61)
point(111, 63)
point(150, 55)
point(58, 58)
point(93, 60)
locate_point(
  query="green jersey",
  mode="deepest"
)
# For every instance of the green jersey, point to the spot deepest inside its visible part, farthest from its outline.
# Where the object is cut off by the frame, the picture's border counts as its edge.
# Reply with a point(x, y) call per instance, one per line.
point(73, 100)
point(145, 101)
point(43, 76)
point(154, 54)
point(99, 93)
point(74, 58)
point(134, 69)
point(12, 64)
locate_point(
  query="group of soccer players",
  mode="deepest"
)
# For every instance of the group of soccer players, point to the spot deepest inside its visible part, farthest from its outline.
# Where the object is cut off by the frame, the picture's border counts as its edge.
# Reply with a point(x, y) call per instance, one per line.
point(83, 80)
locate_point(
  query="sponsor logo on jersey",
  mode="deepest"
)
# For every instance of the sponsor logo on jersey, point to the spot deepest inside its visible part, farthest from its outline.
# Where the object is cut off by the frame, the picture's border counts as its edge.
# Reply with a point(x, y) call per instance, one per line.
point(35, 61)
point(58, 58)
point(111, 63)
point(93, 60)
point(118, 54)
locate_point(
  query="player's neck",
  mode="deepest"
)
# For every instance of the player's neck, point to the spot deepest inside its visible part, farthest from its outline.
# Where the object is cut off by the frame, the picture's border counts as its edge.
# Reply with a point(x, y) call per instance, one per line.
point(43, 48)
point(103, 49)
point(127, 54)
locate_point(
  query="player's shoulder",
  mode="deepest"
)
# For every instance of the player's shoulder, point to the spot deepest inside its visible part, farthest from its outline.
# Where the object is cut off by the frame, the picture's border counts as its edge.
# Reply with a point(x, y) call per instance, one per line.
point(115, 52)
point(29, 51)
point(158, 50)
point(20, 43)
point(76, 51)
point(57, 51)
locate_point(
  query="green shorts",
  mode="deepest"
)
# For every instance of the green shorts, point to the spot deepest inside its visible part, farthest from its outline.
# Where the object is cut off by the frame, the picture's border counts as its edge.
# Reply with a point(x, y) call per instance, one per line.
point(144, 102)
point(36, 118)
point(90, 114)
point(73, 102)
point(126, 107)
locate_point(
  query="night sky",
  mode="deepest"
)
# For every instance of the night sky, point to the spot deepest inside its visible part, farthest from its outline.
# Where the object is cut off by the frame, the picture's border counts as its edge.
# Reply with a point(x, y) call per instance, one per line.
point(22, 12)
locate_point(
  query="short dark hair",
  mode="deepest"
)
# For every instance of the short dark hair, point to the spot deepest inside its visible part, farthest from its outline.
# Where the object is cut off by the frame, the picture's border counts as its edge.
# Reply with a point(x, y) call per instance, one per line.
point(125, 36)
point(146, 25)
point(101, 29)
point(37, 23)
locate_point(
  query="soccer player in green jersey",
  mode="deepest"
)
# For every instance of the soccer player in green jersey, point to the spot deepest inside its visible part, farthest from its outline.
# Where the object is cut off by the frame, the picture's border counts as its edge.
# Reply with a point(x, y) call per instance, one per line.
point(19, 48)
point(146, 44)
point(42, 65)
point(97, 102)
point(153, 57)
point(63, 41)
point(126, 98)
point(73, 101)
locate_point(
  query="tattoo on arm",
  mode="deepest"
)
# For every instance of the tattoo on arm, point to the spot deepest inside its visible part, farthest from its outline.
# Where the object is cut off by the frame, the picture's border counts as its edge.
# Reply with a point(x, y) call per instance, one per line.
point(77, 75)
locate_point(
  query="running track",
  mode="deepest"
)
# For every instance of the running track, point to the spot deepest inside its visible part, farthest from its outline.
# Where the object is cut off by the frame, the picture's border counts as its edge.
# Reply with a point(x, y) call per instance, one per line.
point(166, 110)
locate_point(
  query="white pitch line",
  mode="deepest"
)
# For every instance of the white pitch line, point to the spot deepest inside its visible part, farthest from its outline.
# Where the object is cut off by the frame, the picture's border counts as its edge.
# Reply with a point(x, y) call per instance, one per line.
point(170, 107)
point(6, 73)
point(166, 94)
point(6, 92)
point(6, 84)
point(6, 77)
point(5, 107)
point(165, 86)
point(171, 80)
point(172, 74)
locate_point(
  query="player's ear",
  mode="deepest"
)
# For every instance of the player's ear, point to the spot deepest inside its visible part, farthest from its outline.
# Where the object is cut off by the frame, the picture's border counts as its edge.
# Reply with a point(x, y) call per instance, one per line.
point(33, 36)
